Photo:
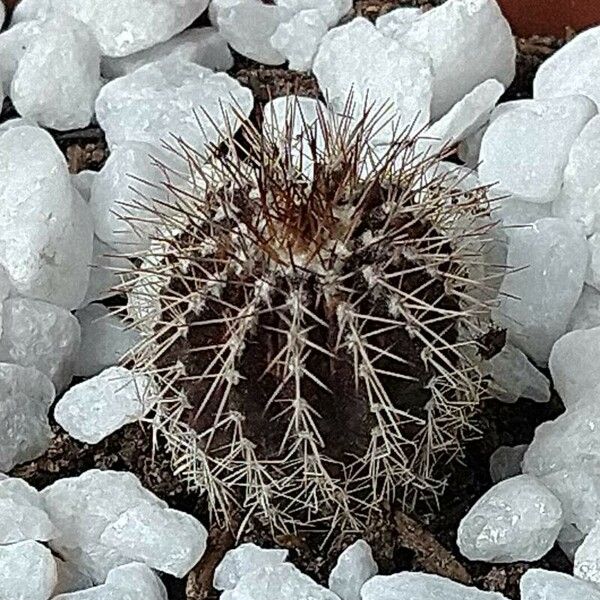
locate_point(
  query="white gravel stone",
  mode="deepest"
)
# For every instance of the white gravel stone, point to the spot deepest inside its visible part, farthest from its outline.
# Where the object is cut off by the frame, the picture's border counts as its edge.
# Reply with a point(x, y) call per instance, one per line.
point(421, 586)
point(31, 10)
point(123, 28)
point(123, 197)
point(514, 377)
point(14, 43)
point(82, 507)
point(165, 539)
point(248, 26)
point(204, 46)
point(572, 70)
point(466, 117)
point(281, 581)
point(580, 196)
point(356, 59)
point(83, 182)
point(92, 410)
point(587, 557)
point(586, 314)
point(470, 148)
point(570, 441)
point(469, 41)
point(536, 301)
point(573, 365)
point(331, 10)
point(168, 100)
point(241, 561)
point(354, 567)
point(41, 335)
point(49, 259)
point(526, 148)
point(133, 581)
point(538, 584)
point(27, 572)
point(593, 274)
point(578, 489)
point(24, 428)
point(64, 62)
point(505, 462)
point(109, 270)
point(298, 39)
point(105, 339)
point(2, 14)
point(22, 514)
point(516, 520)
point(397, 22)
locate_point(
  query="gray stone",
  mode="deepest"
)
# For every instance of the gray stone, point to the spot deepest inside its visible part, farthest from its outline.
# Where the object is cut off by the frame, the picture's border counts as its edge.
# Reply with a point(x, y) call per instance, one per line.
point(105, 339)
point(505, 462)
point(514, 212)
point(165, 539)
point(82, 508)
point(31, 10)
point(514, 377)
point(248, 26)
point(518, 519)
point(548, 263)
point(397, 22)
point(538, 584)
point(593, 274)
point(281, 581)
point(421, 586)
point(586, 314)
point(24, 428)
point(41, 335)
point(331, 10)
point(92, 410)
point(526, 147)
point(572, 70)
point(64, 62)
point(49, 259)
point(69, 578)
point(243, 560)
point(573, 365)
point(22, 514)
point(27, 572)
point(170, 100)
point(83, 182)
point(123, 28)
point(204, 46)
point(357, 60)
point(354, 567)
point(469, 41)
point(580, 196)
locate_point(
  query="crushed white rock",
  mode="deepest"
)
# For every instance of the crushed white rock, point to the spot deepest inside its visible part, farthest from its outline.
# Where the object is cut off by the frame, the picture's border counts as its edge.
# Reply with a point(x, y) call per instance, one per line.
point(354, 567)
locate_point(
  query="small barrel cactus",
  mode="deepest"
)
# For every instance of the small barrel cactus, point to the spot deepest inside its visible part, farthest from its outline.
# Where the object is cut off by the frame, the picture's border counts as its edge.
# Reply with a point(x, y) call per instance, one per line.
point(317, 304)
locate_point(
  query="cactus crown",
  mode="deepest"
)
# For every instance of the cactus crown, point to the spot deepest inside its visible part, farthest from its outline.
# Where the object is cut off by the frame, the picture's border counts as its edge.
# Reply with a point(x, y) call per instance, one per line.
point(317, 305)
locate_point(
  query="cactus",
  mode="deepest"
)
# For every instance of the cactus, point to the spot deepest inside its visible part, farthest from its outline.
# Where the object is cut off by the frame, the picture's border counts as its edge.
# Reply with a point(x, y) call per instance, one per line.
point(316, 304)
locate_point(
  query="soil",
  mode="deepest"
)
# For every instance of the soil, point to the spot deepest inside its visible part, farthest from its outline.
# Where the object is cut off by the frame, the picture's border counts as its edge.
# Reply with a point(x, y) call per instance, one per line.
point(424, 540)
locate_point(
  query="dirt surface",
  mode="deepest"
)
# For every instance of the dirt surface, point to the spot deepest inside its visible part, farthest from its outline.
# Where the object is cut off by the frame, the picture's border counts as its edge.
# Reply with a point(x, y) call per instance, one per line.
point(423, 541)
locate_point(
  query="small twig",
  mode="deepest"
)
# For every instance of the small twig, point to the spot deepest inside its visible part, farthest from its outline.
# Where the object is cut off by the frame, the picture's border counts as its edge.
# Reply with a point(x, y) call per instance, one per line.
point(431, 556)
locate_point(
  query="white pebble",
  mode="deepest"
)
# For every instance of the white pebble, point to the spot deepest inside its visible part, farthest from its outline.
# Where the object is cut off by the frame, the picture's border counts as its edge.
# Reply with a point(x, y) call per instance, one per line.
point(168, 100)
point(24, 428)
point(41, 335)
point(204, 46)
point(516, 520)
point(354, 567)
point(538, 584)
point(586, 314)
point(245, 559)
point(526, 148)
point(58, 77)
point(27, 572)
point(587, 557)
point(92, 410)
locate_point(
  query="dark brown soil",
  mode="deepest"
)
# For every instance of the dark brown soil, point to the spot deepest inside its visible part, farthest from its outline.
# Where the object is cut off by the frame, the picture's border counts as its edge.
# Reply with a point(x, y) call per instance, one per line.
point(426, 540)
